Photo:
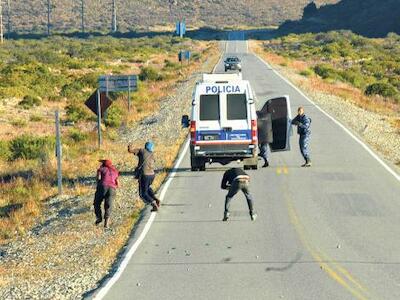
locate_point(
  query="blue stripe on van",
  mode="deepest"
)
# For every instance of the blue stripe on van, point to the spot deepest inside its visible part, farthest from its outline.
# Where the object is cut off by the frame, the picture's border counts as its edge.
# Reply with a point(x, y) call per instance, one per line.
point(222, 135)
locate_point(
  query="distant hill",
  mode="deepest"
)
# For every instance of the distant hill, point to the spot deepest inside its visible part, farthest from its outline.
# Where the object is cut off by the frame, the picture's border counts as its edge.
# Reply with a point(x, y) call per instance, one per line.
point(31, 16)
point(370, 18)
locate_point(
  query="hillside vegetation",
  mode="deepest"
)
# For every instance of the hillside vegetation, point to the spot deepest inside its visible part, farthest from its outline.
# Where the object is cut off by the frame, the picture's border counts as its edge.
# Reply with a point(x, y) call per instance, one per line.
point(360, 71)
point(366, 17)
point(39, 76)
point(371, 65)
point(31, 16)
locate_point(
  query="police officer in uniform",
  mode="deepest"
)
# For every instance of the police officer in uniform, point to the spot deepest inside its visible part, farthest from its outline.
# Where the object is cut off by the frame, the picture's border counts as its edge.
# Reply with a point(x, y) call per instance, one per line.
point(234, 180)
point(265, 135)
point(303, 124)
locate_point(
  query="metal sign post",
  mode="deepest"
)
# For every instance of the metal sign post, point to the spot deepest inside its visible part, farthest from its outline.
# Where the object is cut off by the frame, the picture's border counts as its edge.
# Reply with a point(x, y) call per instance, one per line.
point(187, 56)
point(181, 28)
point(99, 119)
point(129, 93)
point(58, 153)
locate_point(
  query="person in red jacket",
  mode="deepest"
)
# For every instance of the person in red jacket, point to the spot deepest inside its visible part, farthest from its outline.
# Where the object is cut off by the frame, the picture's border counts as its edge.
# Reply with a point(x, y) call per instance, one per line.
point(107, 183)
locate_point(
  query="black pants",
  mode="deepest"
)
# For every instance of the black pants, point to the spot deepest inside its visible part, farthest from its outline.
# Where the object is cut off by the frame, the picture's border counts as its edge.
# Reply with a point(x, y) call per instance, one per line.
point(235, 187)
point(145, 190)
point(107, 194)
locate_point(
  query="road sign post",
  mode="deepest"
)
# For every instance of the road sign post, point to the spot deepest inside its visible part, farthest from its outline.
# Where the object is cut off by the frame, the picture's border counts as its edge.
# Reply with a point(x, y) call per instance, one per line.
point(99, 119)
point(58, 152)
point(129, 93)
point(180, 28)
point(187, 56)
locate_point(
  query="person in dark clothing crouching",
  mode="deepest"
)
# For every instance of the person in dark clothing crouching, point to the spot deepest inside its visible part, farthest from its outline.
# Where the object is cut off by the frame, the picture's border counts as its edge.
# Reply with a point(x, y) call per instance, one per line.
point(236, 179)
point(107, 183)
point(145, 174)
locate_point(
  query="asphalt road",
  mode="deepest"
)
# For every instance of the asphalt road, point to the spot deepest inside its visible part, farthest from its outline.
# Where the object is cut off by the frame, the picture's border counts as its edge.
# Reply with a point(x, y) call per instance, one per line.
point(327, 232)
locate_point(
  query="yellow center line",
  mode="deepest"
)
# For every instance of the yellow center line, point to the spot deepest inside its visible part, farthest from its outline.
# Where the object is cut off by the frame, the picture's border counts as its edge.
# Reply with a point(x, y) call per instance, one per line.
point(285, 170)
point(354, 287)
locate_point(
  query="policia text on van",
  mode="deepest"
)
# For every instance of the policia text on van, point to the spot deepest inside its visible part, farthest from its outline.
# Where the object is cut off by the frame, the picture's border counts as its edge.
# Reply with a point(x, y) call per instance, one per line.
point(223, 123)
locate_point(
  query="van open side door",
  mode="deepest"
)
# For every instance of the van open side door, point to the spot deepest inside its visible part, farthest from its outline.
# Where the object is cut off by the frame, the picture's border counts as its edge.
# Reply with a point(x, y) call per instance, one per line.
point(281, 122)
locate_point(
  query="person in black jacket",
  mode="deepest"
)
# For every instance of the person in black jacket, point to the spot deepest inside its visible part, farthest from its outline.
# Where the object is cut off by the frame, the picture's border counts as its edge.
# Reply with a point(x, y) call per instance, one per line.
point(265, 135)
point(236, 179)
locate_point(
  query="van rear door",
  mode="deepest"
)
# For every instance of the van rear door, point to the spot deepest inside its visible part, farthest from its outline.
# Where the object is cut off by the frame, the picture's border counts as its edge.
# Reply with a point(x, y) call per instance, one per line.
point(281, 117)
point(235, 118)
point(209, 118)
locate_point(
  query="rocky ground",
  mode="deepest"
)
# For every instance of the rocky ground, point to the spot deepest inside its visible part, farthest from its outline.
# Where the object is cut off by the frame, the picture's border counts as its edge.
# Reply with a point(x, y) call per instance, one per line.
point(63, 256)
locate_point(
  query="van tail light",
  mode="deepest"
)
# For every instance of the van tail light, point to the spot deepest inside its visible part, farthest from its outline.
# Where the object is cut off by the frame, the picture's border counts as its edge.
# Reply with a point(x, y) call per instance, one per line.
point(254, 131)
point(193, 132)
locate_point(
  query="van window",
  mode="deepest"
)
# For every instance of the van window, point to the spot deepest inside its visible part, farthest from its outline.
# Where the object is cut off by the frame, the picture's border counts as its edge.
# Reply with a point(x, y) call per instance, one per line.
point(236, 106)
point(209, 107)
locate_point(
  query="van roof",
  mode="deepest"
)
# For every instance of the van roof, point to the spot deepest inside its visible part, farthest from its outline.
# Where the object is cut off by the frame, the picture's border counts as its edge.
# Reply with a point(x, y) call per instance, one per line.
point(222, 77)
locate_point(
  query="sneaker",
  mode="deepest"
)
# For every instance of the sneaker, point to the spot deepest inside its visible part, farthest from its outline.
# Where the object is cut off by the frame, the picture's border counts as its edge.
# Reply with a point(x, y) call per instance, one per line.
point(266, 164)
point(253, 216)
point(98, 221)
point(226, 217)
point(155, 208)
point(308, 164)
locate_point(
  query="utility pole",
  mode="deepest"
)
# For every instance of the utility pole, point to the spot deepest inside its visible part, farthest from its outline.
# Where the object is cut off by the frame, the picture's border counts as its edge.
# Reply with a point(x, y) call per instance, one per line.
point(8, 19)
point(83, 16)
point(1, 23)
point(58, 152)
point(48, 16)
point(114, 16)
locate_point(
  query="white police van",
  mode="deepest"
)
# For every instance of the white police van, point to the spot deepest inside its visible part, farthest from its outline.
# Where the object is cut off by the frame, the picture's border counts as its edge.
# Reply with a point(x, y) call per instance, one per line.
point(223, 122)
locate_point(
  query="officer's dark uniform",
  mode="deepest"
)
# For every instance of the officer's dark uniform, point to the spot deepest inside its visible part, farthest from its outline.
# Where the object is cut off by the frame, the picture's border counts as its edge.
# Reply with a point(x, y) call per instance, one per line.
point(303, 129)
point(236, 179)
point(265, 135)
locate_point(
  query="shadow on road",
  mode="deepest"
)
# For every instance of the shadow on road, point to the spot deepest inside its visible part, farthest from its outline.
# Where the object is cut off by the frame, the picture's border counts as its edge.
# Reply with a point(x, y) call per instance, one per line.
point(287, 266)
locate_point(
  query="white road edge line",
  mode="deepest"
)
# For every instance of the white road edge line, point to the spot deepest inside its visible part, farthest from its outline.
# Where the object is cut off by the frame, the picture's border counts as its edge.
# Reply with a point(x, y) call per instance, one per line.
point(219, 61)
point(368, 149)
point(102, 292)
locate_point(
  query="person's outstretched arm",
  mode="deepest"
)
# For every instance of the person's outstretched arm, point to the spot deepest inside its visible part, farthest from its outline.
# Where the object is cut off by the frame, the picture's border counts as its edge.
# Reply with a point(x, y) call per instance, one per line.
point(295, 121)
point(132, 150)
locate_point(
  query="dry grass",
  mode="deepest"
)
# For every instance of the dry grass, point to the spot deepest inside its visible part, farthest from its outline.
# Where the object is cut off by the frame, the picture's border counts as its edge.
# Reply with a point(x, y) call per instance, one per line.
point(20, 205)
point(79, 159)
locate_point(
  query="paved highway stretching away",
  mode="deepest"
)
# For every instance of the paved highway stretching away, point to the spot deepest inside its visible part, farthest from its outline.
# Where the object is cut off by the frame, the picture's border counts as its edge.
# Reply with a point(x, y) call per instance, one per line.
point(327, 232)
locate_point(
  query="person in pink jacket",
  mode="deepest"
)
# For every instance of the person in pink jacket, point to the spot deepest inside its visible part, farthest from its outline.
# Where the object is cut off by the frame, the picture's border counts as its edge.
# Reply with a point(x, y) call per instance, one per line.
point(107, 183)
